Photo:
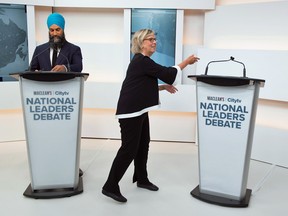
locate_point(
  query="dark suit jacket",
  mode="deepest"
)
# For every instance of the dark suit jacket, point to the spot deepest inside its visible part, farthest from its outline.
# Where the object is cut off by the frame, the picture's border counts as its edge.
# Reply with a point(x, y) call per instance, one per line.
point(41, 57)
point(140, 87)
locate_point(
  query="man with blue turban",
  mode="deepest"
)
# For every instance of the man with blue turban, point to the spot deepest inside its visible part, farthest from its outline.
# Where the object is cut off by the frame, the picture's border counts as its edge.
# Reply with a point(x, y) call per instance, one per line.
point(57, 55)
point(57, 19)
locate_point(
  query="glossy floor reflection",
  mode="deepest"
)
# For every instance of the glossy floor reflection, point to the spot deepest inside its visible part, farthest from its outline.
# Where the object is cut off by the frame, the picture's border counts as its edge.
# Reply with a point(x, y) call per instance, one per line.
point(172, 166)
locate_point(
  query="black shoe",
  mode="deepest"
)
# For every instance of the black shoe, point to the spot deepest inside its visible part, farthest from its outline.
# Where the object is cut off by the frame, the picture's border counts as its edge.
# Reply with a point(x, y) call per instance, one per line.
point(148, 186)
point(80, 173)
point(117, 197)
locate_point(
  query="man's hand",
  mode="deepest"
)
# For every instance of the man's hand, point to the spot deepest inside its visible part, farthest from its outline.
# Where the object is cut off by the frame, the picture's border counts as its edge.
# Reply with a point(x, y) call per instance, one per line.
point(59, 68)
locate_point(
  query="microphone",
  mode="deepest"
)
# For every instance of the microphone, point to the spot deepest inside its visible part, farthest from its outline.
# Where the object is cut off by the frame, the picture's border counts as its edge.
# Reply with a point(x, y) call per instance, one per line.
point(231, 59)
point(29, 68)
point(244, 68)
point(68, 64)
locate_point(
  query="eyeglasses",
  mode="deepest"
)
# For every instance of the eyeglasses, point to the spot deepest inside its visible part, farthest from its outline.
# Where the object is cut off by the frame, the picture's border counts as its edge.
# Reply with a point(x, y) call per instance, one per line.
point(151, 39)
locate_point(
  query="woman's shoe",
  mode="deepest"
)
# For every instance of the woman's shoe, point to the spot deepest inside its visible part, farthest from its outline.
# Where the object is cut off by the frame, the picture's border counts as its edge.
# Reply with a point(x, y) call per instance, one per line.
point(116, 196)
point(148, 186)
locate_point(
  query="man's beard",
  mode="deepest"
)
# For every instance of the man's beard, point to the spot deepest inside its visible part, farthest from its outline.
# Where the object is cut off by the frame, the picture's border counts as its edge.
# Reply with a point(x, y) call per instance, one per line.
point(56, 41)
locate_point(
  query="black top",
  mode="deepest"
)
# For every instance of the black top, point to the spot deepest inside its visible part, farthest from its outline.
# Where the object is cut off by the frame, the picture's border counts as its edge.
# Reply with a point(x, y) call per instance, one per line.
point(140, 87)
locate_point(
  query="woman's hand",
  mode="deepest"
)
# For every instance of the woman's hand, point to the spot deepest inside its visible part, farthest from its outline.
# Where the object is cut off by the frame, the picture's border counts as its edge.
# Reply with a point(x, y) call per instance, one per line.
point(192, 59)
point(188, 61)
point(170, 88)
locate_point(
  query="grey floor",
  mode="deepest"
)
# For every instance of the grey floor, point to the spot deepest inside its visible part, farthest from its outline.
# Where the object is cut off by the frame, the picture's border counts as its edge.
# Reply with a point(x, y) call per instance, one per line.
point(172, 166)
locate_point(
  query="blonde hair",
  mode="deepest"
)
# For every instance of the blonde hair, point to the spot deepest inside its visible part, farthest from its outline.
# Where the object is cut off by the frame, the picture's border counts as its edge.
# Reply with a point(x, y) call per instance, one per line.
point(138, 38)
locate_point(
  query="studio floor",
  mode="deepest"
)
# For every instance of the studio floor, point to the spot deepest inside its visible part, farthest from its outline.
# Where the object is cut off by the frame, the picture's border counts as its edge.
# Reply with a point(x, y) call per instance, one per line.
point(172, 166)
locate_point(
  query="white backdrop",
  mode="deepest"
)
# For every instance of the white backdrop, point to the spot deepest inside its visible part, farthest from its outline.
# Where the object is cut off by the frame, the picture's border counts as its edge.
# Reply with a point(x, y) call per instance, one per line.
point(270, 142)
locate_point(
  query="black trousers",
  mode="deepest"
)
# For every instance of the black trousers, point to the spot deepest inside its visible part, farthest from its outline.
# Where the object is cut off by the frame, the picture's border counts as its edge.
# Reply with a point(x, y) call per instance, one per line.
point(135, 137)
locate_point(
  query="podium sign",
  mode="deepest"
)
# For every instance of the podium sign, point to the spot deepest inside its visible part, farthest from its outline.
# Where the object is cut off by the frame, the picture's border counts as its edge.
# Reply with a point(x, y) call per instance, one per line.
point(52, 107)
point(226, 111)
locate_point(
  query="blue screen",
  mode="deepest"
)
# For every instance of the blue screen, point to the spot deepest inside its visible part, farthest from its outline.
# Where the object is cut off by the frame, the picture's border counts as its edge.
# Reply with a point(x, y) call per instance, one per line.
point(163, 23)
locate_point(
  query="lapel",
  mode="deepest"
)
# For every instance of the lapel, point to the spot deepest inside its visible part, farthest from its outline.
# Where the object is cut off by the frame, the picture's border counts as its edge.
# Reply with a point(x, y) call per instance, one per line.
point(44, 57)
point(63, 55)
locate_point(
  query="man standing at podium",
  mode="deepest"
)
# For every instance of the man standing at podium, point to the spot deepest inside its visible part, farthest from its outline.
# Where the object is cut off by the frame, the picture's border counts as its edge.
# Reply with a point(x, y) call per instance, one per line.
point(57, 55)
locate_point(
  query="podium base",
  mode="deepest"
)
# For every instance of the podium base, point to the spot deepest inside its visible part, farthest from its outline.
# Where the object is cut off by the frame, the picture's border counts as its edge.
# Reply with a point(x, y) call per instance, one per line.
point(221, 200)
point(54, 193)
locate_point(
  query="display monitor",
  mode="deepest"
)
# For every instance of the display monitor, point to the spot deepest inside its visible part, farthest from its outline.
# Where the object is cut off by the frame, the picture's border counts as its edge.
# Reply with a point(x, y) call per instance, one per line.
point(13, 40)
point(163, 23)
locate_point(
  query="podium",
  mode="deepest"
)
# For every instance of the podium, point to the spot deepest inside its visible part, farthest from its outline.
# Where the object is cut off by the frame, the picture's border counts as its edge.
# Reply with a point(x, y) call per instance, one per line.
point(226, 111)
point(52, 109)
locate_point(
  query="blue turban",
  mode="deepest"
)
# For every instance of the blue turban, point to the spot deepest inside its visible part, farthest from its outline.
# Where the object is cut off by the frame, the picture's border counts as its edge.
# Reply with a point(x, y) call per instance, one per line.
point(57, 19)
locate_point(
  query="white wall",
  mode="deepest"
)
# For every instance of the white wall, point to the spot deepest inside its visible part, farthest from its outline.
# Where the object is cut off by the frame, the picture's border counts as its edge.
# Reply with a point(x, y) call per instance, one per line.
point(255, 26)
point(180, 4)
point(99, 32)
point(256, 34)
point(92, 26)
point(271, 134)
point(230, 2)
point(164, 125)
